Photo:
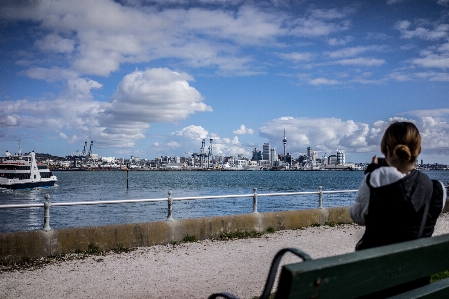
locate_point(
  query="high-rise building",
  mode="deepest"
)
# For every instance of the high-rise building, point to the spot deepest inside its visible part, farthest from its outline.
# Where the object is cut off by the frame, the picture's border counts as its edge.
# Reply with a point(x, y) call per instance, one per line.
point(273, 156)
point(332, 160)
point(340, 158)
point(309, 152)
point(285, 143)
point(257, 155)
point(266, 151)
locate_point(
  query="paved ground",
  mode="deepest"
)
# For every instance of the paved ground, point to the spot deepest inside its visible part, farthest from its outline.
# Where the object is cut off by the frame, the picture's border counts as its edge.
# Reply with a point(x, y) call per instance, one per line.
point(190, 270)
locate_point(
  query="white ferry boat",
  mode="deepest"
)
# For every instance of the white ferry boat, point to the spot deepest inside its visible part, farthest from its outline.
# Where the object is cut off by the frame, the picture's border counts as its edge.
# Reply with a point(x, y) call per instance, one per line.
point(23, 172)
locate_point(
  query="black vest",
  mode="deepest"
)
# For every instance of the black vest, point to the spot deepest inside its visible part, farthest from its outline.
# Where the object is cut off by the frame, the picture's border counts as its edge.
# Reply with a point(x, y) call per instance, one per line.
point(396, 210)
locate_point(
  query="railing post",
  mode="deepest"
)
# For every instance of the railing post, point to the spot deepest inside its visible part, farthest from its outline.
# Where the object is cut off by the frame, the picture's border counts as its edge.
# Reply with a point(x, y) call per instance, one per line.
point(170, 206)
point(255, 201)
point(320, 197)
point(47, 205)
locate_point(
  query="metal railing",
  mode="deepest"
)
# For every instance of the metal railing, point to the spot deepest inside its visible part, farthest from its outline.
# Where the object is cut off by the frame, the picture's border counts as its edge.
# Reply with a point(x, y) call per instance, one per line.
point(47, 204)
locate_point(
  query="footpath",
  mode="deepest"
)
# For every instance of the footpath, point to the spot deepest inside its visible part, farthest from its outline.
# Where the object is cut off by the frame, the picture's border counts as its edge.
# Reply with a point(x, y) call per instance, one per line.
point(187, 270)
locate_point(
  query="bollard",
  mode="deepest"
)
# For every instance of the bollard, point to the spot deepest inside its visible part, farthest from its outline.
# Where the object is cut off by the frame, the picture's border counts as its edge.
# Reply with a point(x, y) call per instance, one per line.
point(255, 201)
point(47, 205)
point(320, 197)
point(170, 204)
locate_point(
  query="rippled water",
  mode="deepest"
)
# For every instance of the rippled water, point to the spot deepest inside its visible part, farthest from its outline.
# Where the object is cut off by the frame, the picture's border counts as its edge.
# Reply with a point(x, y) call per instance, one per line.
point(109, 185)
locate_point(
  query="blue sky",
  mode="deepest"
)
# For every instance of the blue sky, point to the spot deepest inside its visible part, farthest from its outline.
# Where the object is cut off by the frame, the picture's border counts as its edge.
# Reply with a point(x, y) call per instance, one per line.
point(153, 78)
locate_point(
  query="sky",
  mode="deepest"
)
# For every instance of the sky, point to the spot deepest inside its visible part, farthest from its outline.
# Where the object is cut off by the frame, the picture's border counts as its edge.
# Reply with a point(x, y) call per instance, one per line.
point(154, 78)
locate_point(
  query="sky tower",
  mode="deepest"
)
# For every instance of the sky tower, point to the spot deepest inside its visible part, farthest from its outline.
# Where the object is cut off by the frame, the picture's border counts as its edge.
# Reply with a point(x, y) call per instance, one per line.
point(285, 142)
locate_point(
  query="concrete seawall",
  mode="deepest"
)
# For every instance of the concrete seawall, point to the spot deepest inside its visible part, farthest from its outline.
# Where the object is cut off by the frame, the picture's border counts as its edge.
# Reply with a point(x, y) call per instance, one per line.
point(35, 244)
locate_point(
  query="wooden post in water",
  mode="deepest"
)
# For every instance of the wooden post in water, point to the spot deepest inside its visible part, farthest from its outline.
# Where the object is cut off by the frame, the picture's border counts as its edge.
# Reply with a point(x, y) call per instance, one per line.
point(127, 168)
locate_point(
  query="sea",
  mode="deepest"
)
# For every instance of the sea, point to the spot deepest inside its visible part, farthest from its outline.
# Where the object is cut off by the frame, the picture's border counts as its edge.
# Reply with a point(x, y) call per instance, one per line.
point(76, 186)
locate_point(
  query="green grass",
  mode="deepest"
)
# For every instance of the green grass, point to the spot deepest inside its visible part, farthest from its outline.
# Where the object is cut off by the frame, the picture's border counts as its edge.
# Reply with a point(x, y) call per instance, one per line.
point(241, 235)
point(270, 230)
point(189, 239)
point(333, 224)
point(439, 276)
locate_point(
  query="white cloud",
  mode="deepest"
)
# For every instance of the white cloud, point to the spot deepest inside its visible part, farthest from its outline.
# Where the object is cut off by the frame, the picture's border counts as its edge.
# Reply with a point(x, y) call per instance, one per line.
point(322, 134)
point(173, 144)
point(330, 134)
point(361, 61)
point(196, 133)
point(55, 43)
point(438, 31)
point(297, 56)
point(50, 75)
point(243, 130)
point(97, 37)
point(433, 61)
point(142, 98)
point(339, 41)
point(191, 137)
point(350, 52)
point(323, 81)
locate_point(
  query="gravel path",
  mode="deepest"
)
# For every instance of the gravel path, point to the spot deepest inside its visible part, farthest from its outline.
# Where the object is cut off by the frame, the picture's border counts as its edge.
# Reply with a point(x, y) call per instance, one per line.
point(188, 270)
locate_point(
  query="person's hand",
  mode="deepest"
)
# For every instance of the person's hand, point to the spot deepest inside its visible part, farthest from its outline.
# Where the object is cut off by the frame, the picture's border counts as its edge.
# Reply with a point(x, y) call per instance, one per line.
point(374, 159)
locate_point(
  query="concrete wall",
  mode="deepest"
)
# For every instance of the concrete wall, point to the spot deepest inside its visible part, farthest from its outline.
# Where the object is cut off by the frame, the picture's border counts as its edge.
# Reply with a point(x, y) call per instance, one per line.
point(34, 244)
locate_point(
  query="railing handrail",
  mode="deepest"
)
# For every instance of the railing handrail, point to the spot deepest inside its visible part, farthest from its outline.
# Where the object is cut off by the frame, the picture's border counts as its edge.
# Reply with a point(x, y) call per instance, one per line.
point(47, 204)
point(99, 202)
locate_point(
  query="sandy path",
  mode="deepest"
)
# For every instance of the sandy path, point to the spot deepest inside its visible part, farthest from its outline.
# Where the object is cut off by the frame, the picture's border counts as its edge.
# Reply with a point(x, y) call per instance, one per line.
point(190, 270)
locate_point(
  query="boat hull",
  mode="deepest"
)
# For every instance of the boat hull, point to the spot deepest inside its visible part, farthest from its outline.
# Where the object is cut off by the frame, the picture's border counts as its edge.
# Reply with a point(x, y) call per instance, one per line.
point(28, 185)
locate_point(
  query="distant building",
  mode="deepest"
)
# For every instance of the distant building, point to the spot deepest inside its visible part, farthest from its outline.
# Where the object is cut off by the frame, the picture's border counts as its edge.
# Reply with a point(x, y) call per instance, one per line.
point(302, 158)
point(332, 160)
point(340, 157)
point(310, 152)
point(257, 155)
point(273, 155)
point(266, 151)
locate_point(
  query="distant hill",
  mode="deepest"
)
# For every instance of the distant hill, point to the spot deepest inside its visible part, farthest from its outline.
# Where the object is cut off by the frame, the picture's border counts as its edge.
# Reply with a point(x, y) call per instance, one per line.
point(41, 157)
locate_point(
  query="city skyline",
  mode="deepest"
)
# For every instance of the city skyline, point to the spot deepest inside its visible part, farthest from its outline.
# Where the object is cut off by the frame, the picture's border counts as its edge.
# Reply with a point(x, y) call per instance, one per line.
point(151, 78)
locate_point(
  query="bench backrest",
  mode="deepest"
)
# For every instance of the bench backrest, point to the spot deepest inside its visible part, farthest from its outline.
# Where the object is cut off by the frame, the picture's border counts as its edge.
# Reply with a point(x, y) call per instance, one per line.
point(366, 271)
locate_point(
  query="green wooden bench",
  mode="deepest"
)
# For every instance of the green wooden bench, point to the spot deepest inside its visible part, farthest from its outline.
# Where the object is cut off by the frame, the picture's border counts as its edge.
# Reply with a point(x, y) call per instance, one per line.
point(363, 272)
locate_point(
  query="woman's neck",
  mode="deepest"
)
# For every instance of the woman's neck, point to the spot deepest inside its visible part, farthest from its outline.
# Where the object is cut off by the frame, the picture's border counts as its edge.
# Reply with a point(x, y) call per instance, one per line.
point(404, 168)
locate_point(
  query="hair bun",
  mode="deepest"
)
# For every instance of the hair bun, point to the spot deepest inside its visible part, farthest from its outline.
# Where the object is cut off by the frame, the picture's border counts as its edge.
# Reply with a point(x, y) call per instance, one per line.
point(402, 152)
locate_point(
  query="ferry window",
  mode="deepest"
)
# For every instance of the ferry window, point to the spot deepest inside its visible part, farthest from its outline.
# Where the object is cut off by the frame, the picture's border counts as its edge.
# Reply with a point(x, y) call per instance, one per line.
point(34, 176)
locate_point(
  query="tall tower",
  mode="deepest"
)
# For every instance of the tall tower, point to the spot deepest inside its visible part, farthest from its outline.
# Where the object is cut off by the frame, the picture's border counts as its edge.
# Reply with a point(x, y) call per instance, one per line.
point(285, 143)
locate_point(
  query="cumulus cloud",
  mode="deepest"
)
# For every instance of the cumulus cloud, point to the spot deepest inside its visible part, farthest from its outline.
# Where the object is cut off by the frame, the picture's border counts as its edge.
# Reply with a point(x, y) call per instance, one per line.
point(352, 51)
point(323, 81)
point(330, 134)
point(96, 38)
point(325, 134)
point(438, 31)
point(297, 56)
point(55, 43)
point(142, 98)
point(243, 130)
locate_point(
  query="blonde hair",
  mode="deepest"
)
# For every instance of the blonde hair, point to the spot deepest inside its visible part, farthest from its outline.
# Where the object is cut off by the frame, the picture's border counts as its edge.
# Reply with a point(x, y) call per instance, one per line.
point(403, 141)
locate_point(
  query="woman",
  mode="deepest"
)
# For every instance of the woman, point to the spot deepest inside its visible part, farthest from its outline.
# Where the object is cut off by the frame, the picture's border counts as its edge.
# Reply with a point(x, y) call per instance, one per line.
point(395, 201)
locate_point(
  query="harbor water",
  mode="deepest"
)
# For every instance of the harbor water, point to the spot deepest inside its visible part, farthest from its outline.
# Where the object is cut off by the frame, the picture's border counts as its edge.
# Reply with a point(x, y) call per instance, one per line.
point(75, 186)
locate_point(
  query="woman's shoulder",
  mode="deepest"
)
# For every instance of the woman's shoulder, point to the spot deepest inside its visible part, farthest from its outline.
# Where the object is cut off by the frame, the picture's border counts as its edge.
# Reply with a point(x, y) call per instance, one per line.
point(385, 175)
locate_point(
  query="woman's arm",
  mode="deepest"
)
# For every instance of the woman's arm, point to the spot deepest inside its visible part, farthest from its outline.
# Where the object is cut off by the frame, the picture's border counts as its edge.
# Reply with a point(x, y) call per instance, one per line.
point(359, 208)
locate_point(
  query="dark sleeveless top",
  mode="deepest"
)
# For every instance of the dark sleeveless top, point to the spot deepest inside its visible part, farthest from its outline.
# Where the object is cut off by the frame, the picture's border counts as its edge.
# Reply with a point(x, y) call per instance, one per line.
point(396, 210)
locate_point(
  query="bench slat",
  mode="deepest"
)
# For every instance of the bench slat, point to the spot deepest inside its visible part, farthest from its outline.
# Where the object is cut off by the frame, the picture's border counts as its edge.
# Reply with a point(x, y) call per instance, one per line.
point(436, 290)
point(364, 272)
